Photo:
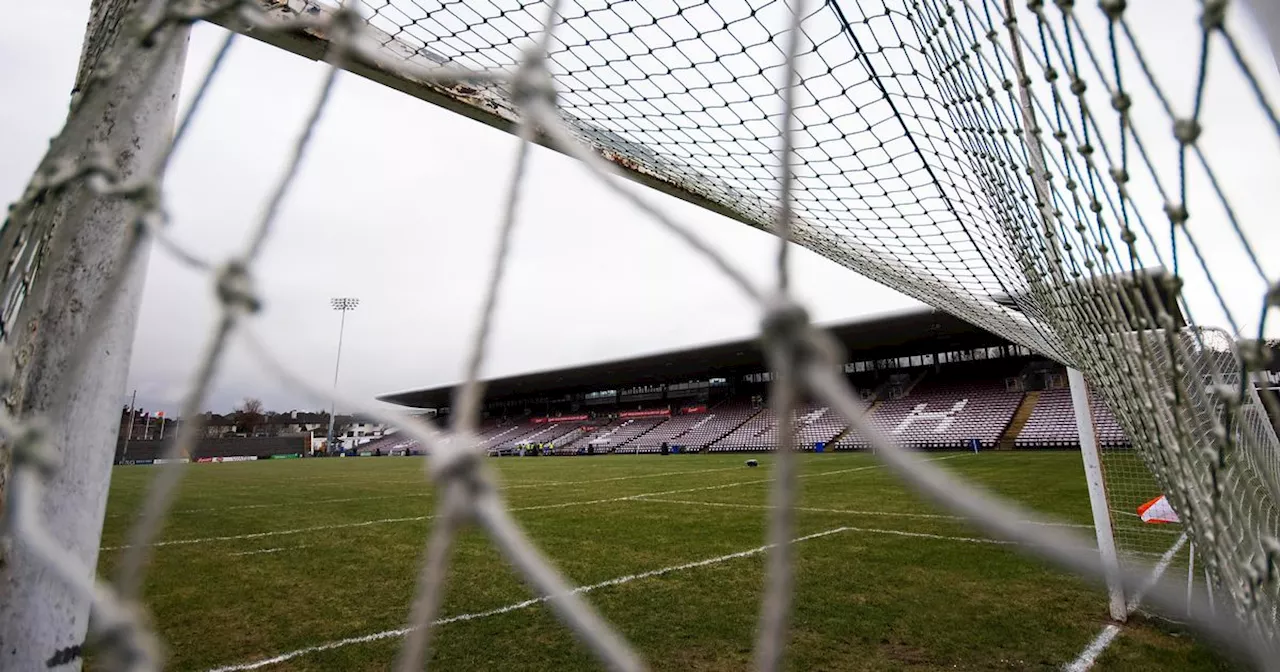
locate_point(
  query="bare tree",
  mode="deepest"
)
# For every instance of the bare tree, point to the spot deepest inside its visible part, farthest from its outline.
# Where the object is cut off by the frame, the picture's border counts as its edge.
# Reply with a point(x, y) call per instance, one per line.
point(249, 414)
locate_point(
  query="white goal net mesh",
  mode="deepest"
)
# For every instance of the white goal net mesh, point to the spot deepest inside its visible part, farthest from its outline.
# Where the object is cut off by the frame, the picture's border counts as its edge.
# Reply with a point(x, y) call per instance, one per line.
point(1023, 167)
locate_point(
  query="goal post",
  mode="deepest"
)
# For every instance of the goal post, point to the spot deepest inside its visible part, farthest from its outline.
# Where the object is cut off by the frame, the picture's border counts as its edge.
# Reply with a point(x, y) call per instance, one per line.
point(1097, 493)
point(74, 329)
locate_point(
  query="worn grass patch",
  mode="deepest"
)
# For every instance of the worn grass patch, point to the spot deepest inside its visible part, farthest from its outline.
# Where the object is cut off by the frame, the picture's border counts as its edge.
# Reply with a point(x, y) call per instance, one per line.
point(265, 558)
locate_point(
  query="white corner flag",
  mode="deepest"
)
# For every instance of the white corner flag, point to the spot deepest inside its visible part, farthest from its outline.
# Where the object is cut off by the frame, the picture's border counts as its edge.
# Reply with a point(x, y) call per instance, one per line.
point(1158, 510)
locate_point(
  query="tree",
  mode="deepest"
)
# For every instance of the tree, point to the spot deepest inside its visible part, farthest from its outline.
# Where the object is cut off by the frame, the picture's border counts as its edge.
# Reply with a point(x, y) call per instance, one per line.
point(249, 414)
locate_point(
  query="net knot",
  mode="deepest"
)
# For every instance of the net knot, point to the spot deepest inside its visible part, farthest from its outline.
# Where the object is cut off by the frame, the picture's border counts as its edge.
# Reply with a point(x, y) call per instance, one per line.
point(126, 641)
point(27, 445)
point(1121, 102)
point(1177, 213)
point(1226, 393)
point(95, 168)
point(1187, 131)
point(1271, 549)
point(1215, 12)
point(235, 287)
point(1253, 354)
point(785, 322)
point(788, 333)
point(454, 460)
point(344, 25)
point(1273, 295)
point(1114, 9)
point(533, 82)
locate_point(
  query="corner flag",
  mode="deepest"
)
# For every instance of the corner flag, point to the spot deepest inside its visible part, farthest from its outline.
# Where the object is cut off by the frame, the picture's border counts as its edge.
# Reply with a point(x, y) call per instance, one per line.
point(1158, 510)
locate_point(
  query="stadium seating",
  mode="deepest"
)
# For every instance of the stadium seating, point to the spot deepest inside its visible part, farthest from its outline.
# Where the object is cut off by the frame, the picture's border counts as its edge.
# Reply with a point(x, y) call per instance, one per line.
point(394, 443)
point(624, 432)
point(814, 424)
point(669, 432)
point(720, 421)
point(946, 414)
point(532, 432)
point(585, 438)
point(1053, 424)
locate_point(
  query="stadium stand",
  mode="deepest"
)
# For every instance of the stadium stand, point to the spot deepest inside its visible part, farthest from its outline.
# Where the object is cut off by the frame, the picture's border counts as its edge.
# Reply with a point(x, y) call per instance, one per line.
point(668, 432)
point(1053, 424)
point(945, 414)
point(721, 421)
point(746, 436)
point(814, 424)
point(929, 379)
point(536, 430)
point(617, 434)
point(394, 443)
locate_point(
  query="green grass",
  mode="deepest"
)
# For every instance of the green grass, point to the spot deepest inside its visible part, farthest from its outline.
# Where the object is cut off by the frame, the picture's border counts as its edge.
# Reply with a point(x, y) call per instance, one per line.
point(865, 598)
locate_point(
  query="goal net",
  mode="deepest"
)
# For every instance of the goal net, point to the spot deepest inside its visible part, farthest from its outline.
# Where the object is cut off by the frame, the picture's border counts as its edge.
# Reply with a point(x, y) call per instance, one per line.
point(1068, 177)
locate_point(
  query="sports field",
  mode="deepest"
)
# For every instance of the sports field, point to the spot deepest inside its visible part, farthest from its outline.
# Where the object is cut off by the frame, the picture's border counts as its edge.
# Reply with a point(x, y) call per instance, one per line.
point(310, 564)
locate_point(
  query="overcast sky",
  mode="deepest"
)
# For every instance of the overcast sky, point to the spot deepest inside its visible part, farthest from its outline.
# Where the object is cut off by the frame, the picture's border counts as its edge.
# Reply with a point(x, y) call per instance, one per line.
point(398, 205)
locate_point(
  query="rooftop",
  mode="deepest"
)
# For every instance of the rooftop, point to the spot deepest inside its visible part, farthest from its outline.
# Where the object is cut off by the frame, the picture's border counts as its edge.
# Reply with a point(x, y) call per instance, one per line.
point(916, 331)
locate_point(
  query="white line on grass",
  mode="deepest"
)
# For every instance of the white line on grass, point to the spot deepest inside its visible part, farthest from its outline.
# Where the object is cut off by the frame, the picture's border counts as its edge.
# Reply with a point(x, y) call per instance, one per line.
point(1089, 656)
point(536, 507)
point(273, 533)
point(386, 634)
point(268, 550)
point(424, 482)
point(542, 484)
point(857, 512)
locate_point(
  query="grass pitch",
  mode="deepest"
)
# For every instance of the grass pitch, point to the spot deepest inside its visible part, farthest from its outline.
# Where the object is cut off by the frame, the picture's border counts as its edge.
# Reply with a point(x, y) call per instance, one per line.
point(261, 559)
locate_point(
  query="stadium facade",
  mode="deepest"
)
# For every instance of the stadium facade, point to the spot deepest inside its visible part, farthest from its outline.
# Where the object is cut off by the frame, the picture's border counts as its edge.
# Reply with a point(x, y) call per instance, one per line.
point(931, 380)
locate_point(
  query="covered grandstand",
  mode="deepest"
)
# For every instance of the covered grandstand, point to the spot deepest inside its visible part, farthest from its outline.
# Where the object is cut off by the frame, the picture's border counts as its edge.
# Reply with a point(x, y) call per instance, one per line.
point(931, 380)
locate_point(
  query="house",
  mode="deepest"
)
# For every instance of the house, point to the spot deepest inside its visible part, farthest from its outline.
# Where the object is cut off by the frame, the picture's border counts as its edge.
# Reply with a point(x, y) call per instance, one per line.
point(358, 431)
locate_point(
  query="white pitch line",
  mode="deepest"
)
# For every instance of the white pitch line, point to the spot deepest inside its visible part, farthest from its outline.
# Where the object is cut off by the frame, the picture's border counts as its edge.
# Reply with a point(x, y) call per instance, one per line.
point(857, 512)
point(424, 482)
point(543, 484)
point(1090, 654)
point(386, 634)
point(273, 533)
point(536, 507)
point(268, 550)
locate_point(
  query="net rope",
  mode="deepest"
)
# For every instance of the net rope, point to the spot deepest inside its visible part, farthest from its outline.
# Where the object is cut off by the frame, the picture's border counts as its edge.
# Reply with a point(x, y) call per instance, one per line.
point(1020, 167)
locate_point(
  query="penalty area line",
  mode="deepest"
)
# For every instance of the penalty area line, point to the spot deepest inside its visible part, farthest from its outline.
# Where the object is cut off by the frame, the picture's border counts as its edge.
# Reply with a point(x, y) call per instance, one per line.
point(515, 606)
